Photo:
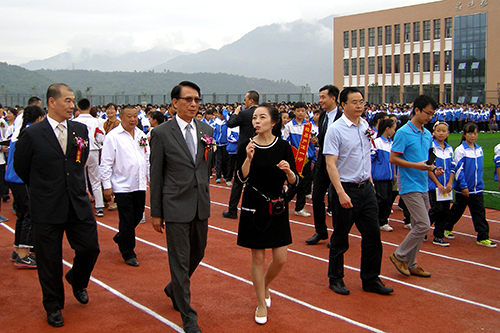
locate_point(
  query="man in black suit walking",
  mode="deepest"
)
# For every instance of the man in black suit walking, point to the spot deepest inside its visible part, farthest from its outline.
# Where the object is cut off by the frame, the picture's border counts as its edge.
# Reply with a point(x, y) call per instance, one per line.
point(328, 97)
point(243, 119)
point(50, 157)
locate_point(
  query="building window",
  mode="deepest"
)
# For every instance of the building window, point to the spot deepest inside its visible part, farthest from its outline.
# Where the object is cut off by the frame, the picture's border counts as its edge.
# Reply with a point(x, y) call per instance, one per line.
point(388, 64)
point(346, 39)
point(354, 66)
point(380, 65)
point(371, 65)
point(361, 37)
point(436, 61)
point(447, 60)
point(427, 30)
point(380, 36)
point(354, 38)
point(447, 27)
point(437, 29)
point(397, 34)
point(416, 31)
point(361, 66)
point(407, 63)
point(346, 67)
point(371, 36)
point(388, 34)
point(416, 62)
point(407, 32)
point(397, 64)
point(427, 61)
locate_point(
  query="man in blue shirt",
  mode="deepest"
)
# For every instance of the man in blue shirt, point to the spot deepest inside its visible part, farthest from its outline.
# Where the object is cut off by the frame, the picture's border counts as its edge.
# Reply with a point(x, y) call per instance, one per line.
point(348, 161)
point(410, 152)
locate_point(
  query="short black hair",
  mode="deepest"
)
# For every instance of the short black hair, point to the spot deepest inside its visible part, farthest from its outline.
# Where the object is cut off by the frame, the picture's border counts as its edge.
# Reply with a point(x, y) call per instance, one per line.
point(299, 105)
point(33, 100)
point(109, 105)
point(128, 106)
point(30, 114)
point(253, 95)
point(345, 93)
point(275, 116)
point(83, 104)
point(176, 91)
point(54, 90)
point(158, 116)
point(332, 91)
point(422, 101)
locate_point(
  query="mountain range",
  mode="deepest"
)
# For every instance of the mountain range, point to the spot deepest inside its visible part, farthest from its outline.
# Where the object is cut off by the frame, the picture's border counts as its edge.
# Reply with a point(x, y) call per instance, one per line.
point(300, 52)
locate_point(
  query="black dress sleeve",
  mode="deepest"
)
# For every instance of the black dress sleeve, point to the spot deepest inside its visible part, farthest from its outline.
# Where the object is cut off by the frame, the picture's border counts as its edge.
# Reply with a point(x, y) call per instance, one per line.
point(291, 160)
point(241, 155)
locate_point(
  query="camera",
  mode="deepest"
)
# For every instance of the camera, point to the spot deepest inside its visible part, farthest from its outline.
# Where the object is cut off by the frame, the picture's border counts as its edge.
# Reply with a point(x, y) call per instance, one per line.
point(277, 206)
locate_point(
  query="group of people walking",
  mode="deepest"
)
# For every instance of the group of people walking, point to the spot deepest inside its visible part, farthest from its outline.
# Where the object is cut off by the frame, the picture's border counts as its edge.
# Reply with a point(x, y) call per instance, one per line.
point(273, 162)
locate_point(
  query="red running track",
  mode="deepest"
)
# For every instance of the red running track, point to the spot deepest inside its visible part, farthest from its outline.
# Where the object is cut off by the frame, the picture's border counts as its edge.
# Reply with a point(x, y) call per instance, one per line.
point(461, 296)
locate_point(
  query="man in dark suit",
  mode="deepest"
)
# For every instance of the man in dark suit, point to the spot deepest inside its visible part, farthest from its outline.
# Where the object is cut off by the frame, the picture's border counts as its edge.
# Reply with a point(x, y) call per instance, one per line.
point(181, 155)
point(50, 157)
point(328, 96)
point(243, 119)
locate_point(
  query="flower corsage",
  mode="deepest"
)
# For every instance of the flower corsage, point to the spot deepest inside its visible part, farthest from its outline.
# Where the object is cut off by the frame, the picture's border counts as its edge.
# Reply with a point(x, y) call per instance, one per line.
point(81, 144)
point(143, 142)
point(209, 144)
point(370, 134)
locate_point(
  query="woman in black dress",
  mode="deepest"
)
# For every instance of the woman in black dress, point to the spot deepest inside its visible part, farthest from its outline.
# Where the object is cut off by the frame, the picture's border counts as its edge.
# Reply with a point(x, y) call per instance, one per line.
point(263, 166)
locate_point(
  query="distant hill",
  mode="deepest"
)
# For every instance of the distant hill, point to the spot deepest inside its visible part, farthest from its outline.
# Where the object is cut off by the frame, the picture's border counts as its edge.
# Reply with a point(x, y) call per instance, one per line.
point(300, 52)
point(18, 80)
point(107, 61)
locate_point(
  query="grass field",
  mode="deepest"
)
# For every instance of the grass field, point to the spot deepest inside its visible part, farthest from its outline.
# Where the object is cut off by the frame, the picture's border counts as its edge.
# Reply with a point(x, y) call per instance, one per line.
point(488, 142)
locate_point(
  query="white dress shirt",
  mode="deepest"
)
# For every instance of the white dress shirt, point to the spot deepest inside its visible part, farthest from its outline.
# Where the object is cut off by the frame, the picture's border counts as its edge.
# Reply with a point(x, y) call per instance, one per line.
point(182, 126)
point(124, 163)
point(53, 123)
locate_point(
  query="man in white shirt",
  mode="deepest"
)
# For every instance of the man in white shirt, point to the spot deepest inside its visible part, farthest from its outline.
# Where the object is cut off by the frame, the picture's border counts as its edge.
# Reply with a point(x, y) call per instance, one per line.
point(96, 137)
point(124, 173)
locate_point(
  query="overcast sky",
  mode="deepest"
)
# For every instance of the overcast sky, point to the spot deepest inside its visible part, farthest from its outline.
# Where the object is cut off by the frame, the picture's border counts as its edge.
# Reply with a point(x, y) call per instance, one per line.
point(38, 29)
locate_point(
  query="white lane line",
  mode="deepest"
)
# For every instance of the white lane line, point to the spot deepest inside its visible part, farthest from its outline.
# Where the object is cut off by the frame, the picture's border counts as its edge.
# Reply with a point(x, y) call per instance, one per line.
point(310, 306)
point(122, 296)
point(386, 277)
point(396, 245)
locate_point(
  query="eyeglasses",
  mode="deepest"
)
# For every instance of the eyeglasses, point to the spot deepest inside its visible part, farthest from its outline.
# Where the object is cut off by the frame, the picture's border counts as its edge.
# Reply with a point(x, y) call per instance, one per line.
point(429, 114)
point(191, 99)
point(361, 102)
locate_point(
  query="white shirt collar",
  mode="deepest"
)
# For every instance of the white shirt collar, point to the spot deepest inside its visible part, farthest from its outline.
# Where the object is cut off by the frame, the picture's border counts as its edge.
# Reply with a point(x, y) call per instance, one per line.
point(183, 124)
point(53, 123)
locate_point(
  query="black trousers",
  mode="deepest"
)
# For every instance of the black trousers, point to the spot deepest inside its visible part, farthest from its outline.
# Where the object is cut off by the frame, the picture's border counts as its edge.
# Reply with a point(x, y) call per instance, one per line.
point(4, 186)
point(186, 243)
point(383, 190)
point(477, 211)
point(234, 198)
point(130, 210)
point(24, 228)
point(82, 236)
point(321, 184)
point(231, 164)
point(438, 214)
point(221, 163)
point(364, 213)
point(301, 189)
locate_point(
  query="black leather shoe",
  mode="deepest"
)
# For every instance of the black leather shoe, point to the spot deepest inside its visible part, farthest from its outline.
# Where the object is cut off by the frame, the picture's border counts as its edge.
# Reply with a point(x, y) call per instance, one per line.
point(174, 304)
point(81, 295)
point(228, 215)
point(339, 288)
point(54, 318)
point(378, 287)
point(315, 239)
point(132, 262)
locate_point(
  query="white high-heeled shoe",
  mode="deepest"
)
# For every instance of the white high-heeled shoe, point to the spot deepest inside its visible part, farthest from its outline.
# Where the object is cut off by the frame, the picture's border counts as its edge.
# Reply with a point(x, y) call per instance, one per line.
point(260, 320)
point(268, 301)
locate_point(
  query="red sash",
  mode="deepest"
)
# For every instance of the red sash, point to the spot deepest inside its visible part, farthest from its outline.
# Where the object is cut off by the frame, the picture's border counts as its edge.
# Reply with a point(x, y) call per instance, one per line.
point(301, 152)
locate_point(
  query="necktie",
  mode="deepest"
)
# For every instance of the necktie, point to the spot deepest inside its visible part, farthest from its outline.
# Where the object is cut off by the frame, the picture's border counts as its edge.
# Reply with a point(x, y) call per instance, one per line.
point(189, 141)
point(61, 137)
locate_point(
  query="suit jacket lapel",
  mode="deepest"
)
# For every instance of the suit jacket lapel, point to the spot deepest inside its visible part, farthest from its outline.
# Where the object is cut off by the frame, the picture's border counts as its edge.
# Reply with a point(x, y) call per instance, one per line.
point(176, 132)
point(49, 134)
point(201, 145)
